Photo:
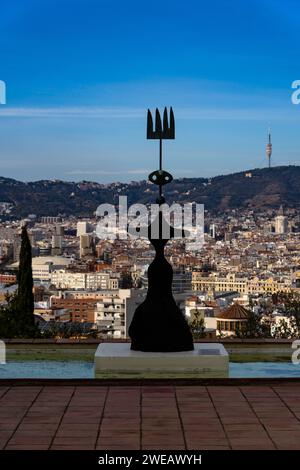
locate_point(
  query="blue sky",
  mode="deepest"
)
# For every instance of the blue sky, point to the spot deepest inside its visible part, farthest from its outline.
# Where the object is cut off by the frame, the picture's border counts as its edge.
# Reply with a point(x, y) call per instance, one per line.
point(80, 75)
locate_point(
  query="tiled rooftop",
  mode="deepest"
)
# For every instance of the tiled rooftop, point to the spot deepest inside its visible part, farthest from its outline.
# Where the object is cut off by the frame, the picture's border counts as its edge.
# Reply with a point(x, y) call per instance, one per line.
point(261, 416)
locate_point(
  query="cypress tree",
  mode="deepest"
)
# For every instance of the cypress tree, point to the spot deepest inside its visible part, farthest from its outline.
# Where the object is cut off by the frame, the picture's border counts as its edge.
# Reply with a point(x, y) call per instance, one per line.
point(24, 301)
point(17, 317)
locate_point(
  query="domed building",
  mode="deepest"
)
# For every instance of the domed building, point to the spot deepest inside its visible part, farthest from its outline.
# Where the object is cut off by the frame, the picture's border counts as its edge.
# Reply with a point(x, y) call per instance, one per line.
point(231, 319)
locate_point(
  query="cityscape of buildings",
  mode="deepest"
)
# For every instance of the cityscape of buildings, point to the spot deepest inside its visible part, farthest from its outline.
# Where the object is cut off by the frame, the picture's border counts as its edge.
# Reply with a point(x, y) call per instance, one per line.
point(247, 257)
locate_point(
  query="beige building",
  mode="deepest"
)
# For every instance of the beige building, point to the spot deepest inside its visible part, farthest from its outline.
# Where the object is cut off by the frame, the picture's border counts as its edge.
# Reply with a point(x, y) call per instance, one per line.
point(281, 223)
point(232, 283)
point(85, 245)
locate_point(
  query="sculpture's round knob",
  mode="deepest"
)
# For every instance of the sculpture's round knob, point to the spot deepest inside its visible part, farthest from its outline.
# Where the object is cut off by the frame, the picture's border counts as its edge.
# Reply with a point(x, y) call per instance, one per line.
point(160, 177)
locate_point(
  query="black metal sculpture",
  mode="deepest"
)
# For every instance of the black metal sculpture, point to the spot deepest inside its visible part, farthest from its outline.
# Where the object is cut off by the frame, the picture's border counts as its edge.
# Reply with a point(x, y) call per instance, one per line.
point(158, 324)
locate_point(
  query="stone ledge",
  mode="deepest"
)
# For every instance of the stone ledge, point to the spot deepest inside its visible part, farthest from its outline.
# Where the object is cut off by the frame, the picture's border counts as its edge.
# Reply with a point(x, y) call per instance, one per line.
point(113, 360)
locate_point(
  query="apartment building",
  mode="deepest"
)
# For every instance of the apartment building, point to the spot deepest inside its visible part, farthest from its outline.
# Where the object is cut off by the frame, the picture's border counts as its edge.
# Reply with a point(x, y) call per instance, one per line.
point(114, 312)
point(79, 310)
point(63, 279)
point(8, 278)
point(43, 266)
point(232, 283)
point(182, 281)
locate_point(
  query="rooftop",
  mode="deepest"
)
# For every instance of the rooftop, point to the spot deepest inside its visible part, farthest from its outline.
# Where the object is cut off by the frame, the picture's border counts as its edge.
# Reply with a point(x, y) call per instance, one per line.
point(234, 312)
point(228, 414)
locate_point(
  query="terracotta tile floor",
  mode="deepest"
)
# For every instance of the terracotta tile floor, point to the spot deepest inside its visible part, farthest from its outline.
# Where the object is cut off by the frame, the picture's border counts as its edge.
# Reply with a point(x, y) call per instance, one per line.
point(150, 417)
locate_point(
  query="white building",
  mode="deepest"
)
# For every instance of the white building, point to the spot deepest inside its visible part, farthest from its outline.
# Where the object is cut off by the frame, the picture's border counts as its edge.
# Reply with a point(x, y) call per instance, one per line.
point(115, 311)
point(43, 266)
point(194, 304)
point(103, 281)
point(63, 279)
point(82, 228)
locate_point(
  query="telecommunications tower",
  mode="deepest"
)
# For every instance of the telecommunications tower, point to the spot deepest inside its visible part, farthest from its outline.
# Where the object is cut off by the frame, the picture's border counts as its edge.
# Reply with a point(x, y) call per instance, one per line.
point(269, 148)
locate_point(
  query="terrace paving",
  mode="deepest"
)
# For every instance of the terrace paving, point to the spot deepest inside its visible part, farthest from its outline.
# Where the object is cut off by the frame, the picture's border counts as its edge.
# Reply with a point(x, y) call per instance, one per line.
point(150, 416)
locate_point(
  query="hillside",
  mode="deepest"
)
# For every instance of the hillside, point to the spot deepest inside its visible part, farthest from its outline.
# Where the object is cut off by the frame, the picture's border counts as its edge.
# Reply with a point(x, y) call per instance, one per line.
point(266, 188)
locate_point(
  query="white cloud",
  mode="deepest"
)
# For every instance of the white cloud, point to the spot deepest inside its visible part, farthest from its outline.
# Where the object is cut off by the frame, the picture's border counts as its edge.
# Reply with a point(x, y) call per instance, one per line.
point(197, 113)
point(72, 112)
point(107, 172)
point(141, 171)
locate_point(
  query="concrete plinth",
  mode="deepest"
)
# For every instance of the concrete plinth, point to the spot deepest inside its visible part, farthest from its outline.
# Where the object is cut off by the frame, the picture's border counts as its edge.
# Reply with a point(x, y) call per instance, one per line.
point(116, 360)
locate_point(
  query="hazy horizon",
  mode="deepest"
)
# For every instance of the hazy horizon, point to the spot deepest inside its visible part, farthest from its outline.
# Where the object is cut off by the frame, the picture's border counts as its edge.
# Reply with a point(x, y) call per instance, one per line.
point(137, 180)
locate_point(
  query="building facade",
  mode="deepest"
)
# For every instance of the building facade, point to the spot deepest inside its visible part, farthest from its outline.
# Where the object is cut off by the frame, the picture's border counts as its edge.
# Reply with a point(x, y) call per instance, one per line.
point(232, 283)
point(63, 279)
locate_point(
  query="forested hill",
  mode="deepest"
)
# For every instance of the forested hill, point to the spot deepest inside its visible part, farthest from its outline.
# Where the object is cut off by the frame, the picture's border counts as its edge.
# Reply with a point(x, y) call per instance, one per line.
point(258, 189)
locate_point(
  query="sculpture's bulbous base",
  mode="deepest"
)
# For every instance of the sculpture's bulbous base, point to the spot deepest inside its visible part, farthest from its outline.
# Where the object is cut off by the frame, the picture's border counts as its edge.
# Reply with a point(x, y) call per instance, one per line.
point(158, 325)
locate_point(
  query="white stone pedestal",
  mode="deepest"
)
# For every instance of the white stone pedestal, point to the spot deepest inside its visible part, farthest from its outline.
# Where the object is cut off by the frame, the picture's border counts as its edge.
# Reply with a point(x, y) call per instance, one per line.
point(116, 360)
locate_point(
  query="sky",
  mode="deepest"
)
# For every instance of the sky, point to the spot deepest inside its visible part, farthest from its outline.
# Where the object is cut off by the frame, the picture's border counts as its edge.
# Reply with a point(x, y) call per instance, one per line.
point(80, 75)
